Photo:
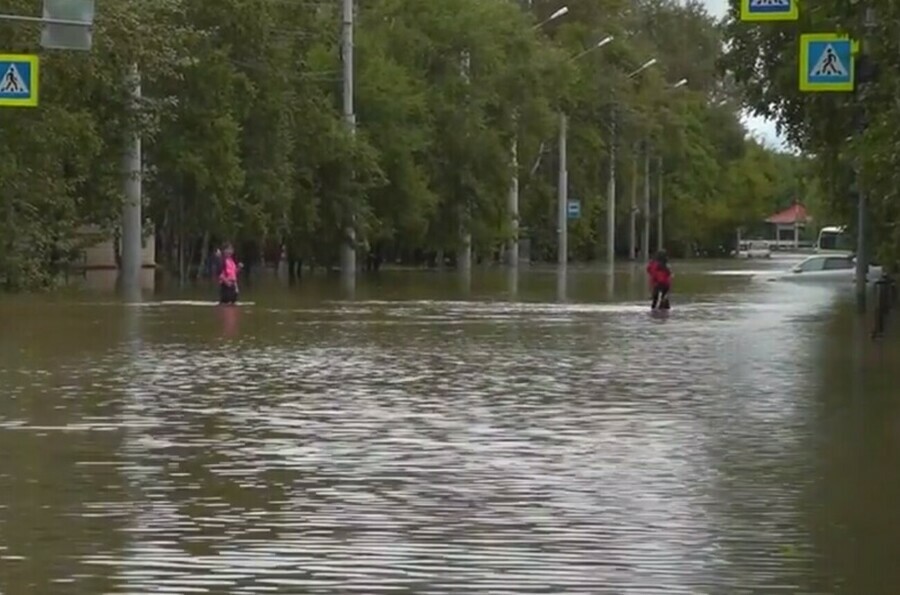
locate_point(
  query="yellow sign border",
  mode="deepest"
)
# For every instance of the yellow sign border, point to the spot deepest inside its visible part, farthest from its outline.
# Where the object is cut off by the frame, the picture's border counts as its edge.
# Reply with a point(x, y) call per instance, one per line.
point(33, 85)
point(804, 66)
point(761, 17)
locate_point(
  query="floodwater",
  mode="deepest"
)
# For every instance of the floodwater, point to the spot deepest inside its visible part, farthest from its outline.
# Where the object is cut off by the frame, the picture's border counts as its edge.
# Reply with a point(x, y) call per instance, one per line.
point(530, 433)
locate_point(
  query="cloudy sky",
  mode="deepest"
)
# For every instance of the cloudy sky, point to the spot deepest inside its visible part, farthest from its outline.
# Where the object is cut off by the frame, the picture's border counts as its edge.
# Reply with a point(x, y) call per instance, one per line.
point(760, 128)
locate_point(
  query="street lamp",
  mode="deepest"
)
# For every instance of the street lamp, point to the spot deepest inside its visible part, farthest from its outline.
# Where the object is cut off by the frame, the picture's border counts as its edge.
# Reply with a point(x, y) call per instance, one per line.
point(659, 198)
point(643, 67)
point(563, 179)
point(598, 45)
point(611, 189)
point(645, 240)
point(559, 13)
point(512, 203)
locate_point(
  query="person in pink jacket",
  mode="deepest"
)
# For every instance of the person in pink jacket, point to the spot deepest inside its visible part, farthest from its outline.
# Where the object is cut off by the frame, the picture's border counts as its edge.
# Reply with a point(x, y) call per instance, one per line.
point(228, 277)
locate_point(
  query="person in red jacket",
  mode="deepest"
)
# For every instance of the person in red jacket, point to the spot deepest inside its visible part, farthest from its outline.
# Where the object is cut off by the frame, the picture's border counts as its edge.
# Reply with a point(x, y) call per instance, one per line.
point(660, 280)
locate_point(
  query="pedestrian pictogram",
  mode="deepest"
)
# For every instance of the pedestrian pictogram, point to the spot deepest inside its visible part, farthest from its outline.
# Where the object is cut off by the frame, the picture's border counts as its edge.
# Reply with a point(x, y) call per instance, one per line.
point(18, 80)
point(826, 62)
point(829, 64)
point(769, 10)
point(12, 82)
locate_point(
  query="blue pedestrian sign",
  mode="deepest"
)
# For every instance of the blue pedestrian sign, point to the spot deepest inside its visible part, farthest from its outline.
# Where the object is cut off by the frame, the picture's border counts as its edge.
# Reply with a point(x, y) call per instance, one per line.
point(769, 10)
point(826, 62)
point(18, 80)
point(574, 209)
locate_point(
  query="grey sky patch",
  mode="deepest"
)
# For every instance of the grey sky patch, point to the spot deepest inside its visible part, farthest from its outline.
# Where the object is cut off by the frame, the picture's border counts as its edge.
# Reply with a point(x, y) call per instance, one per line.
point(760, 128)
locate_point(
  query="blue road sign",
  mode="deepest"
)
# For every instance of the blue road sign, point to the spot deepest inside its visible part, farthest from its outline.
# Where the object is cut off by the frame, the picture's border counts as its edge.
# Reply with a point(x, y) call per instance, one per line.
point(574, 209)
point(769, 10)
point(826, 62)
point(18, 80)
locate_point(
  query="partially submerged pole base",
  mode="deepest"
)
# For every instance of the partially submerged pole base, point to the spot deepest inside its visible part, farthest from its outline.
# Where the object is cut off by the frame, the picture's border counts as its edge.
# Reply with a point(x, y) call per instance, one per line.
point(132, 232)
point(348, 263)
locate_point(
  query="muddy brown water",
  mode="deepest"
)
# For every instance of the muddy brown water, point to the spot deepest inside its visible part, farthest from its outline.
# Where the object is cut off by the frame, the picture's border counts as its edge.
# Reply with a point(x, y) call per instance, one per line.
point(535, 433)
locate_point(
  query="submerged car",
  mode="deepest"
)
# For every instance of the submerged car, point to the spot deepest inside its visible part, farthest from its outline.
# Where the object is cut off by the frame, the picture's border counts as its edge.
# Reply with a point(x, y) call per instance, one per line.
point(827, 268)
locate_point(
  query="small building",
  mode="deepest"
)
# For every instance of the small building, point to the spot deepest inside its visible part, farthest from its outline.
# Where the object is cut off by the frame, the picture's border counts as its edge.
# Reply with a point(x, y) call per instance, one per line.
point(789, 224)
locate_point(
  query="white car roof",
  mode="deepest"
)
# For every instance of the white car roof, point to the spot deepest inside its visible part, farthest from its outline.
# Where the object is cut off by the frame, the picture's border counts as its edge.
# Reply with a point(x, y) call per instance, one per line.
point(827, 257)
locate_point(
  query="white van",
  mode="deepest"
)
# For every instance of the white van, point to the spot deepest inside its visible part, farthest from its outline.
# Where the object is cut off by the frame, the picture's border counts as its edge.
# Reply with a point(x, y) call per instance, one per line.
point(834, 240)
point(754, 249)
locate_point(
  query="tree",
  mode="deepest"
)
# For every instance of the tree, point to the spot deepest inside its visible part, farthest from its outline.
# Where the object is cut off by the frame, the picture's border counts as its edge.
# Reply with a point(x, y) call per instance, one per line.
point(245, 140)
point(762, 62)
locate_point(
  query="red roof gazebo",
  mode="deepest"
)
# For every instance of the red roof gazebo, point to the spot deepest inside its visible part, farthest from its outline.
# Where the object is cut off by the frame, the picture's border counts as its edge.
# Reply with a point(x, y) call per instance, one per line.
point(793, 218)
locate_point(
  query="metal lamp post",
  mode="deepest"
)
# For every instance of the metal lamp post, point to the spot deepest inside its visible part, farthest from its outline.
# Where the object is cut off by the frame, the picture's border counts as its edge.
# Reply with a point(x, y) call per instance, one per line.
point(660, 240)
point(512, 207)
point(634, 208)
point(562, 221)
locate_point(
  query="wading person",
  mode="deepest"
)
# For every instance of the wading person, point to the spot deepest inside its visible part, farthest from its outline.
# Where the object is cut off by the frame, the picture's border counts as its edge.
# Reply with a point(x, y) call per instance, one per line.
point(660, 280)
point(228, 277)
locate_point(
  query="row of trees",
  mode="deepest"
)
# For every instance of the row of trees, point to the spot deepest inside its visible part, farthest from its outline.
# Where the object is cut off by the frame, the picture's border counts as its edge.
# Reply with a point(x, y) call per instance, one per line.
point(762, 62)
point(244, 138)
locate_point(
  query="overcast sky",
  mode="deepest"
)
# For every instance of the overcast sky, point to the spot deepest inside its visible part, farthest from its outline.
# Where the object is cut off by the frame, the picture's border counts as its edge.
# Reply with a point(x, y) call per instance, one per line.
point(760, 128)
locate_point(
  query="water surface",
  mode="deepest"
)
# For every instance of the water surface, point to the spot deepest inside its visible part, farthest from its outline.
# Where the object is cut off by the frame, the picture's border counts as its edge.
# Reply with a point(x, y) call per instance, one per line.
point(538, 433)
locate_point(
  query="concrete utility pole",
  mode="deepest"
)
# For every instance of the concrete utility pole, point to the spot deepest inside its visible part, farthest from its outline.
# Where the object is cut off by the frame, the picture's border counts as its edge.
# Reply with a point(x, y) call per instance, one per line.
point(862, 256)
point(132, 217)
point(632, 220)
point(660, 243)
point(563, 180)
point(660, 240)
point(563, 193)
point(512, 247)
point(611, 194)
point(512, 206)
point(464, 257)
point(632, 215)
point(645, 240)
point(348, 246)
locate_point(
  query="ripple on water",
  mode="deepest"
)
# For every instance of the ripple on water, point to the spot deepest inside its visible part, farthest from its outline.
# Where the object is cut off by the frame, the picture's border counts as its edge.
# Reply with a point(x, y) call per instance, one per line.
point(618, 455)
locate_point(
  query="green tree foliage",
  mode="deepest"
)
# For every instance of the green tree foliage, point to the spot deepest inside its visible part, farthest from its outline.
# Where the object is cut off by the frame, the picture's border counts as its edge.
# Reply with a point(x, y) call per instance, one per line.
point(762, 61)
point(244, 137)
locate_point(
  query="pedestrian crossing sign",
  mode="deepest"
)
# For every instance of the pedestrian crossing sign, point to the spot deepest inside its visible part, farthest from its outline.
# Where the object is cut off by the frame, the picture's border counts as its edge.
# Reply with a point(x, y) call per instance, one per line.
point(826, 62)
point(18, 80)
point(769, 10)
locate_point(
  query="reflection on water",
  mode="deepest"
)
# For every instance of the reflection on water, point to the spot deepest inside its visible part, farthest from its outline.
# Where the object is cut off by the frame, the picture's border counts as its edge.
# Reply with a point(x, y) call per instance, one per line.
point(444, 446)
point(512, 281)
point(610, 284)
point(465, 281)
point(348, 285)
point(562, 284)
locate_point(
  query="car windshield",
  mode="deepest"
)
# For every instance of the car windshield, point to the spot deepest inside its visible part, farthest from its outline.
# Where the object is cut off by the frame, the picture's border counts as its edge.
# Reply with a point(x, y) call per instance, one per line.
point(811, 265)
point(835, 264)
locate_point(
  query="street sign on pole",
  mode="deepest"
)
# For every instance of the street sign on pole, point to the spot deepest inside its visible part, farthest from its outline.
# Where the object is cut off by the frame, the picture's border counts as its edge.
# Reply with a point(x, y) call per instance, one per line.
point(68, 36)
point(574, 209)
point(826, 62)
point(769, 10)
point(19, 80)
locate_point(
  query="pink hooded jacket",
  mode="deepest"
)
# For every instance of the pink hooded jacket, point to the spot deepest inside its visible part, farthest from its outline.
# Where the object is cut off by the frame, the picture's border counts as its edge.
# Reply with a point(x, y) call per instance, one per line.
point(229, 271)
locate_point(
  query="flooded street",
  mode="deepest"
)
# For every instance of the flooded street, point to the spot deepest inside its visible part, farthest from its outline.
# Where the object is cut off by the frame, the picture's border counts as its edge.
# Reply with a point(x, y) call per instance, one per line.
point(532, 434)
